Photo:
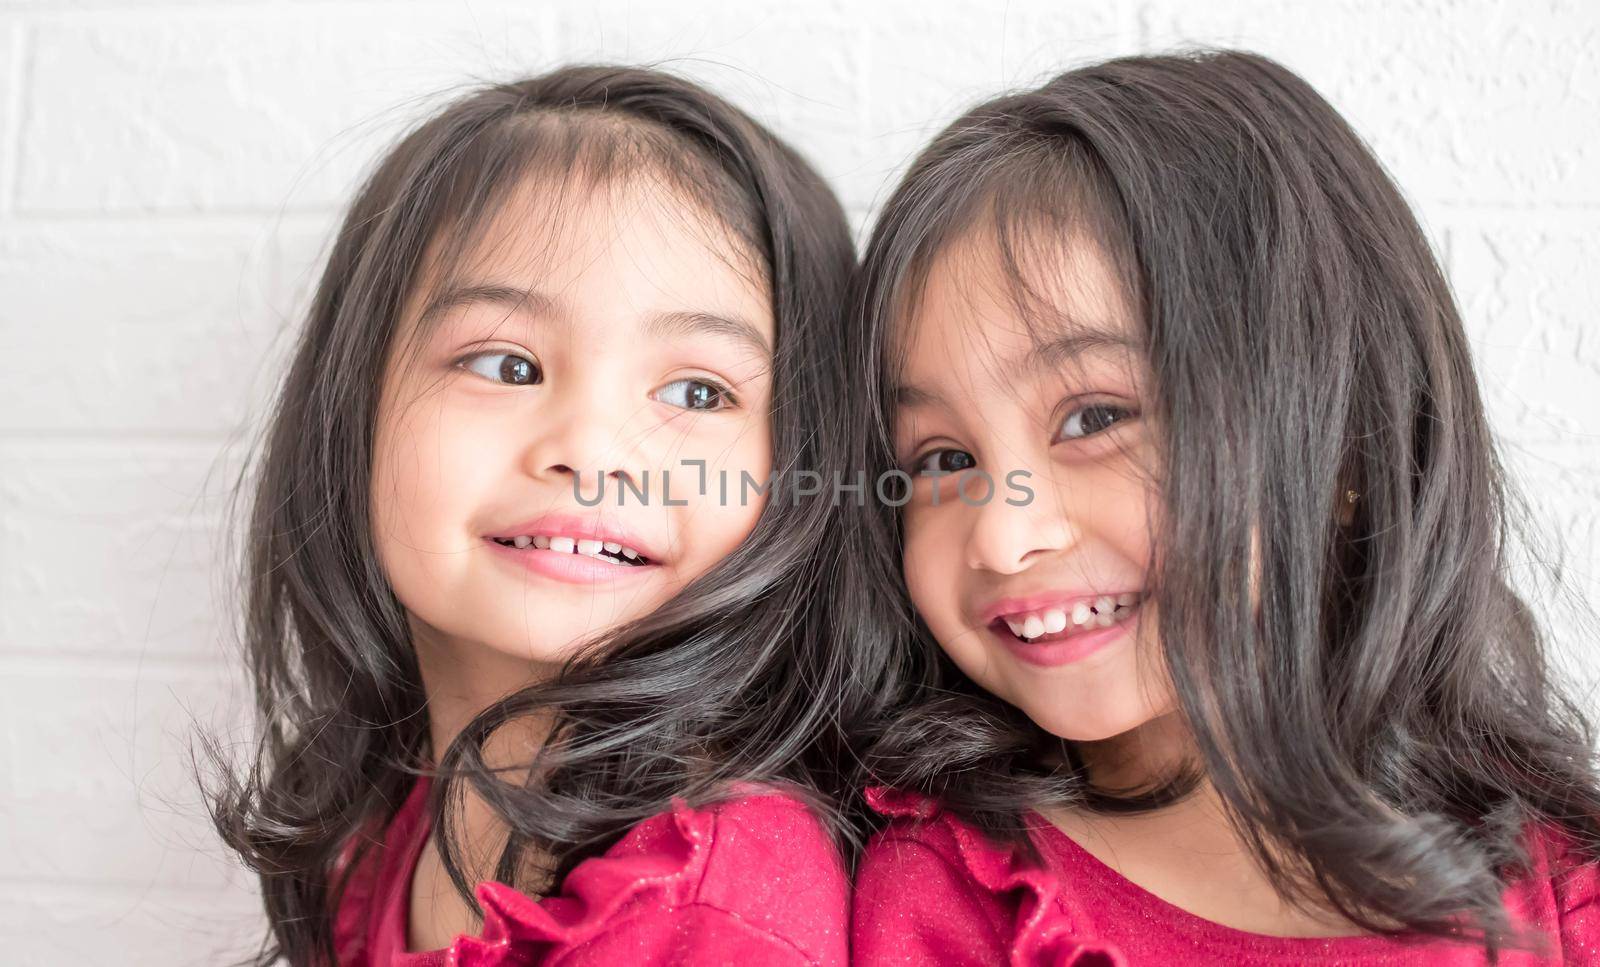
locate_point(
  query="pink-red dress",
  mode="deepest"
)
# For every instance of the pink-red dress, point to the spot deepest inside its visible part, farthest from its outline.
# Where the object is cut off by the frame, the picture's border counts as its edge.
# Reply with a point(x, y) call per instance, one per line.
point(933, 890)
point(754, 880)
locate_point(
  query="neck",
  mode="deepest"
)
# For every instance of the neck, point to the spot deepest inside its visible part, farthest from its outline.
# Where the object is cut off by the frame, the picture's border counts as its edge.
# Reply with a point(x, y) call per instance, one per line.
point(1187, 852)
point(1141, 757)
point(461, 679)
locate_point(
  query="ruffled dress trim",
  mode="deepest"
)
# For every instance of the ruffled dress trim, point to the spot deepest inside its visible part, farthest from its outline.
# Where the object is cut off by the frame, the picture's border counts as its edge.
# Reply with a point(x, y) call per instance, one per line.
point(1048, 932)
point(518, 930)
point(658, 866)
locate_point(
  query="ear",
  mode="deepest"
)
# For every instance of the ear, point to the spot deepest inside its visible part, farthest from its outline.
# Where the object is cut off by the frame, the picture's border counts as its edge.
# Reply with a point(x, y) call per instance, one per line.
point(1348, 498)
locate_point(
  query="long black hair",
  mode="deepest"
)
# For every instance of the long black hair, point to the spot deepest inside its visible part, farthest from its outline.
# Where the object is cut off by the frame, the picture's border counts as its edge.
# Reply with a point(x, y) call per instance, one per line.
point(737, 678)
point(1377, 713)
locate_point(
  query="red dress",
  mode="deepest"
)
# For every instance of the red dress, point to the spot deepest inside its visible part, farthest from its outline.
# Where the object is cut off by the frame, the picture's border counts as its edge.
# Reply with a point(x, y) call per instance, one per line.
point(933, 890)
point(755, 880)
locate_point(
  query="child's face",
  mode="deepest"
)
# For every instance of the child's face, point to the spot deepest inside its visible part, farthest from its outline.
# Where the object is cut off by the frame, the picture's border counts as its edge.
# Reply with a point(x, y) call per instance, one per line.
point(1039, 604)
point(644, 343)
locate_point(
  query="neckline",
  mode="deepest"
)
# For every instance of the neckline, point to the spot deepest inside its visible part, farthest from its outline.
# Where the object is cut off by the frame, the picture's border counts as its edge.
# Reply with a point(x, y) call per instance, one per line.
point(411, 836)
point(1078, 860)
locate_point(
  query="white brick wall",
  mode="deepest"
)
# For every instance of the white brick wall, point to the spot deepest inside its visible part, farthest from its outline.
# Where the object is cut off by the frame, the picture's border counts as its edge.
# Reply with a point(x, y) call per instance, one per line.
point(168, 173)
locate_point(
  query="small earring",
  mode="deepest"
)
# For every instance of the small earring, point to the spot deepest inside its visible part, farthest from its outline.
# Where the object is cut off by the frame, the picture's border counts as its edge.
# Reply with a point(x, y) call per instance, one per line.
point(1350, 496)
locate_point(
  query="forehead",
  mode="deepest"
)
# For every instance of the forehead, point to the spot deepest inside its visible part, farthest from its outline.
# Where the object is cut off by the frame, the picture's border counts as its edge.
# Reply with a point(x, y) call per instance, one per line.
point(625, 246)
point(1050, 297)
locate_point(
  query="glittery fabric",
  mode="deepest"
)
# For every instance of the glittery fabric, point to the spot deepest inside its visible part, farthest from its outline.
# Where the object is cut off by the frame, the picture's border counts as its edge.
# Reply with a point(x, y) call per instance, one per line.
point(933, 890)
point(755, 880)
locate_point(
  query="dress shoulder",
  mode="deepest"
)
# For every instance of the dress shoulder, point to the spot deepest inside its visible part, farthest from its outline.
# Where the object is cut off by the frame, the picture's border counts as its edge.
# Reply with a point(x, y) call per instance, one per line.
point(755, 878)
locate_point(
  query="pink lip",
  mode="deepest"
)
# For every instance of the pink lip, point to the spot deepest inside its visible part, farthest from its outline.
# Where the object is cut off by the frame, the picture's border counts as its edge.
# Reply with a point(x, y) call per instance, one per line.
point(568, 567)
point(1049, 654)
point(581, 528)
point(1064, 600)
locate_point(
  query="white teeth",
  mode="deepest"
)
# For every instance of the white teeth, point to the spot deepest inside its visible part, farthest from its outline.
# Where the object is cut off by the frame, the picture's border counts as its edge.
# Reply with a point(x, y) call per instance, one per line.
point(571, 545)
point(1101, 612)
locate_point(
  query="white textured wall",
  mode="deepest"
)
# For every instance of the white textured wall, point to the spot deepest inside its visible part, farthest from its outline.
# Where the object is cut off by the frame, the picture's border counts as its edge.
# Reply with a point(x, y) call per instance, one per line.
point(169, 171)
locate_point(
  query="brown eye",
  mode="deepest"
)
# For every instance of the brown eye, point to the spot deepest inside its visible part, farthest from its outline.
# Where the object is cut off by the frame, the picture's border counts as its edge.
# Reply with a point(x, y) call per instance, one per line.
point(1089, 420)
point(695, 394)
point(946, 461)
point(508, 368)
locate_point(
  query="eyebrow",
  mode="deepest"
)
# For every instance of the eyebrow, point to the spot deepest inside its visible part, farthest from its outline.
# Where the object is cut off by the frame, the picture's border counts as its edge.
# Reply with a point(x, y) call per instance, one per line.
point(508, 296)
point(675, 322)
point(682, 323)
point(1076, 339)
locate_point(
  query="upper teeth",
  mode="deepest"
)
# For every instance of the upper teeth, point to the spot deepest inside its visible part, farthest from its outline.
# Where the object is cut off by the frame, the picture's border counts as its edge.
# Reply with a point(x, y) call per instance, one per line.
point(1098, 613)
point(574, 545)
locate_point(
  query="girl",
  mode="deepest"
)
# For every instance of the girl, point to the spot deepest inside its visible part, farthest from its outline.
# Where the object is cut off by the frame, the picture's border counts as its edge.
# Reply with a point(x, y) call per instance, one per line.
point(1232, 674)
point(503, 623)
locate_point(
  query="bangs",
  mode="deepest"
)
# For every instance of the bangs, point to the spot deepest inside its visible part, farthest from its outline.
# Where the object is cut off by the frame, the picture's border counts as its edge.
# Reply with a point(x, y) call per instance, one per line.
point(1047, 217)
point(554, 163)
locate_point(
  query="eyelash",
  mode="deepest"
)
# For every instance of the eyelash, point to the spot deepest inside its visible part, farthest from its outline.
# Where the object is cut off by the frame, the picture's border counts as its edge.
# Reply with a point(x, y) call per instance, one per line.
point(723, 392)
point(1108, 407)
point(918, 463)
point(729, 400)
point(466, 362)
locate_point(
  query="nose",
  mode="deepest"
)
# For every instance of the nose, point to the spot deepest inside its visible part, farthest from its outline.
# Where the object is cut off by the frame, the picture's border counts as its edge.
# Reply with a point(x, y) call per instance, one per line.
point(1010, 537)
point(587, 436)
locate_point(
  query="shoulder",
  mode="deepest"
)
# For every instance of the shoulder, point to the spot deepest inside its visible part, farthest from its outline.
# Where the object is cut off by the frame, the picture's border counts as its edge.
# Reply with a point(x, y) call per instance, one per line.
point(934, 889)
point(756, 840)
point(771, 863)
point(755, 876)
point(921, 839)
point(1569, 875)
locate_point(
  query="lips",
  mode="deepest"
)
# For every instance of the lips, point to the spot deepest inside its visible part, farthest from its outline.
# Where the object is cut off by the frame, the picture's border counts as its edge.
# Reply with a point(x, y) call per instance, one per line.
point(1052, 616)
point(568, 534)
point(1056, 630)
point(611, 551)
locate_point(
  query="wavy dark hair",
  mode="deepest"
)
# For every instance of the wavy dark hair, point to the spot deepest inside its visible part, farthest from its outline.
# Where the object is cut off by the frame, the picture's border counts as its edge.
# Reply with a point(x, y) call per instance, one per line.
point(738, 678)
point(1383, 724)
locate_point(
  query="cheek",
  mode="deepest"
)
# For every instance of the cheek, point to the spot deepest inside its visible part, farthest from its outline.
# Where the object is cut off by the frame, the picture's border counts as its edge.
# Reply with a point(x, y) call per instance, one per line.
point(1121, 515)
point(713, 525)
point(931, 564)
point(430, 469)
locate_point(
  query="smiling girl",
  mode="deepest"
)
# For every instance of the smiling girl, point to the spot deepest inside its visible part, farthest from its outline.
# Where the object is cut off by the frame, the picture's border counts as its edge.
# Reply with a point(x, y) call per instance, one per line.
point(471, 672)
point(1243, 681)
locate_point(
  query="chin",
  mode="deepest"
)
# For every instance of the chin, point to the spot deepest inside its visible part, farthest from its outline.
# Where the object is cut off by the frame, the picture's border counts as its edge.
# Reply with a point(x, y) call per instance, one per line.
point(1083, 724)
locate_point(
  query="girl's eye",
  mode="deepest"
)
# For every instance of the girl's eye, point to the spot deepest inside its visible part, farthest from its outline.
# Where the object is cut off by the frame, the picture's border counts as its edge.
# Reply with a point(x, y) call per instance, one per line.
point(507, 368)
point(695, 394)
point(945, 461)
point(1089, 420)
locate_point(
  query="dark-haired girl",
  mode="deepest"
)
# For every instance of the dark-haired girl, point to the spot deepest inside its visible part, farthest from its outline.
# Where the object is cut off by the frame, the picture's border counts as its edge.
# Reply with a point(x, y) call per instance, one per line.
point(516, 619)
point(1239, 679)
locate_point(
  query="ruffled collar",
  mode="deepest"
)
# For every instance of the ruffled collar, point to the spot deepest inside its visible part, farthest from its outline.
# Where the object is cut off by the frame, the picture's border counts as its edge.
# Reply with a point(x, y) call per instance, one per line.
point(1049, 931)
point(665, 857)
point(1050, 919)
point(519, 930)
